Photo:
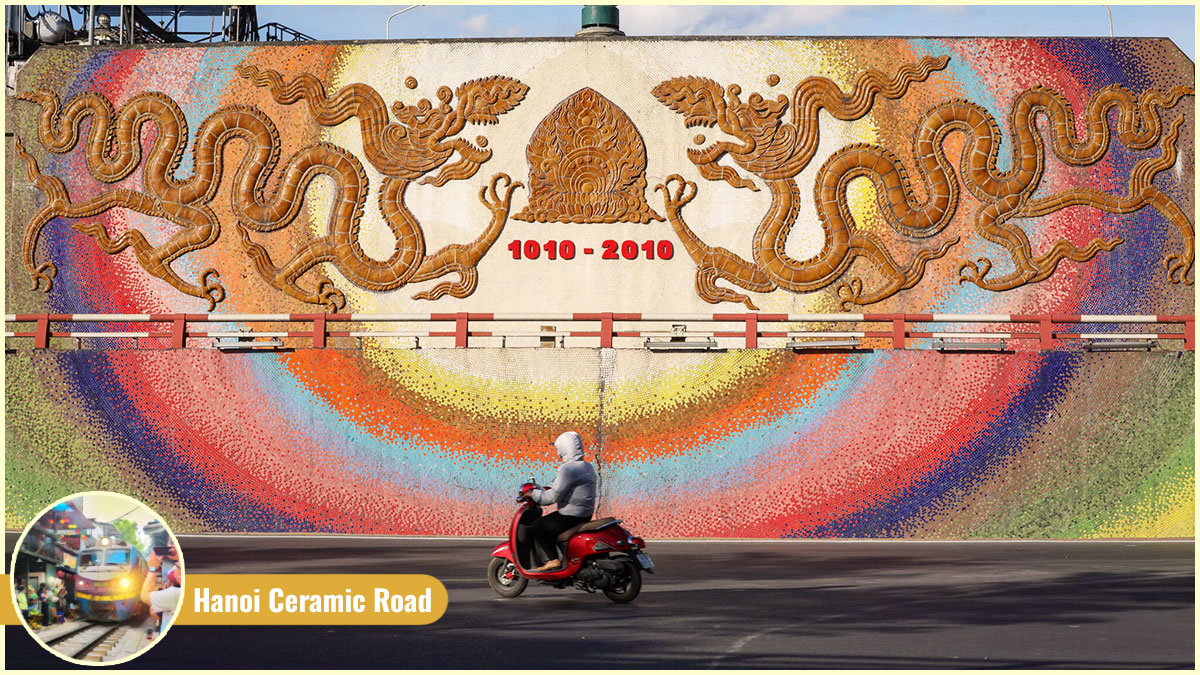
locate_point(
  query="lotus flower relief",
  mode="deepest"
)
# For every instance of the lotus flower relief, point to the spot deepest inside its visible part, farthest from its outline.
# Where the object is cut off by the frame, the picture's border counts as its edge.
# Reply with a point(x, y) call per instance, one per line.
point(587, 164)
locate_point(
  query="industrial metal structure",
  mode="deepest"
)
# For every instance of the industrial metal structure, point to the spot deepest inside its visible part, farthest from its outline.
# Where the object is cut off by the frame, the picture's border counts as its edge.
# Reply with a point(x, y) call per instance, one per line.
point(27, 30)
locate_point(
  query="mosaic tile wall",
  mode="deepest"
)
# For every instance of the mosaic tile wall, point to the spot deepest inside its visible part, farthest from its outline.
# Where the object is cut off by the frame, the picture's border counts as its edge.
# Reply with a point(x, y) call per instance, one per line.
point(998, 176)
point(749, 443)
point(800, 175)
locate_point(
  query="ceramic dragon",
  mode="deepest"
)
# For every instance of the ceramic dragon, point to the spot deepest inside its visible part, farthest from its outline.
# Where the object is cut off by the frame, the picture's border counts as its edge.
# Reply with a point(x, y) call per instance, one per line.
point(776, 148)
point(421, 142)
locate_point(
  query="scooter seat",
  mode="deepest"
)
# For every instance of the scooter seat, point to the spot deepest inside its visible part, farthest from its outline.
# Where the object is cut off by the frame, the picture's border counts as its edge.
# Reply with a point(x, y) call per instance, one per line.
point(587, 527)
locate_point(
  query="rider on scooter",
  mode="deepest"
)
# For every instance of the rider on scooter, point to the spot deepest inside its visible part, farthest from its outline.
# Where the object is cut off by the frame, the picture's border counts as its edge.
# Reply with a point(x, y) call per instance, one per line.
point(574, 491)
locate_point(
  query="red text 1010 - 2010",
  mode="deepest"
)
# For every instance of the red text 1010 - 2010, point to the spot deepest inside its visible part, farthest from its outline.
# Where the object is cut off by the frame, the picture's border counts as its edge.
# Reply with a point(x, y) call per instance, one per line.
point(610, 249)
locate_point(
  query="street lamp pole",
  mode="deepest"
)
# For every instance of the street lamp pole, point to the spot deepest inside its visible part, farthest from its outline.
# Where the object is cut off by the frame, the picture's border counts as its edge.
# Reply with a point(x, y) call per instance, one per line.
point(388, 28)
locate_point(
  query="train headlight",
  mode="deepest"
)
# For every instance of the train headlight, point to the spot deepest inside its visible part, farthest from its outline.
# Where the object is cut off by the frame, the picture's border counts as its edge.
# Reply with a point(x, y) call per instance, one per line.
point(125, 582)
point(104, 541)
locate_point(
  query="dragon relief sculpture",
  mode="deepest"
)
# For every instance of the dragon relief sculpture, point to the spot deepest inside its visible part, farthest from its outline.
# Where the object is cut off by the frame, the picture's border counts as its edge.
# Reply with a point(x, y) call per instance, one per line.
point(777, 150)
point(422, 141)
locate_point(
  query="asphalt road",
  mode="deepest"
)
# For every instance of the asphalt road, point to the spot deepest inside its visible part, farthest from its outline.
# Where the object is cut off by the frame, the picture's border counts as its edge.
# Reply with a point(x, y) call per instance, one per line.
point(744, 604)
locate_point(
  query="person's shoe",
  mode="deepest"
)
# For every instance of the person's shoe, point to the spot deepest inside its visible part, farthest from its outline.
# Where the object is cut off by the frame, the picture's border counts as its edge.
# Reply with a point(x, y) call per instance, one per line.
point(552, 565)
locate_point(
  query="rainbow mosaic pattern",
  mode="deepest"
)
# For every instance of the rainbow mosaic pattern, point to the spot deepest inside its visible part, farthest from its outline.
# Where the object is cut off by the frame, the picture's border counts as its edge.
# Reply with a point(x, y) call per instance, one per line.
point(750, 443)
point(745, 443)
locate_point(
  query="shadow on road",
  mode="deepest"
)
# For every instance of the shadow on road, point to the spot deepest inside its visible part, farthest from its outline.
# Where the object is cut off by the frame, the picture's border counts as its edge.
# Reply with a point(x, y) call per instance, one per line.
point(875, 605)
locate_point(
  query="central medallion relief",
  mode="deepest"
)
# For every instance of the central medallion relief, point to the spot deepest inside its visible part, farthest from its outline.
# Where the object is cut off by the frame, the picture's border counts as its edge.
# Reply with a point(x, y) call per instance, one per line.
point(587, 164)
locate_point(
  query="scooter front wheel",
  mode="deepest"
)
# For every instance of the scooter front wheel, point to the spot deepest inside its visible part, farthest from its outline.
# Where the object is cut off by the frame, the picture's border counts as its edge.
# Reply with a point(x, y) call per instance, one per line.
point(627, 586)
point(505, 579)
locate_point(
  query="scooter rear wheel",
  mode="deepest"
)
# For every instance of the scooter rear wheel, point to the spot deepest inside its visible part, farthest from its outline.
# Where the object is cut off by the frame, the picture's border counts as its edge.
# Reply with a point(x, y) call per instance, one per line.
point(629, 590)
point(504, 578)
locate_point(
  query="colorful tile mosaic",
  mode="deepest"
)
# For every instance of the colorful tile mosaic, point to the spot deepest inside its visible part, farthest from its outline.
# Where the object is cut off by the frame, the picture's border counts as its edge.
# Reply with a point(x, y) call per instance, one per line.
point(749, 443)
point(999, 176)
point(201, 176)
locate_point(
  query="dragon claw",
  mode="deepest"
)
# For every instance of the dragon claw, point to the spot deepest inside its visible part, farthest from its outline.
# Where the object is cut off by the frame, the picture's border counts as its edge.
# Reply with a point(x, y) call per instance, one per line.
point(850, 293)
point(1177, 269)
point(508, 193)
point(1172, 263)
point(329, 296)
point(490, 196)
point(211, 288)
point(46, 271)
point(985, 266)
point(678, 196)
point(978, 269)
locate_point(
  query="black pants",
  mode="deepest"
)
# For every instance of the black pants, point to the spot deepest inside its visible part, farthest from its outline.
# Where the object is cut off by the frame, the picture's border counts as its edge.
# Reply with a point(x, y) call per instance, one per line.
point(547, 528)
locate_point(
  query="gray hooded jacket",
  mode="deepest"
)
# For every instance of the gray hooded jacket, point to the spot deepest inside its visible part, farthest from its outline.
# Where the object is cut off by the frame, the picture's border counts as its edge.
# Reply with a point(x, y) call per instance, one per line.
point(574, 488)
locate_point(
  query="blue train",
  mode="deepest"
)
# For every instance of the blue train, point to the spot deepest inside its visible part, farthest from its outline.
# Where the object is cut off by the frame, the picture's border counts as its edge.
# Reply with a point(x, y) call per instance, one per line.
point(108, 581)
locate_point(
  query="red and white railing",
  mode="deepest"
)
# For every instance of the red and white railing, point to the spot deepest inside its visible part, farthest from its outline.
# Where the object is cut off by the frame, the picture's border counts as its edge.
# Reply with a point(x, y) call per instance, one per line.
point(896, 329)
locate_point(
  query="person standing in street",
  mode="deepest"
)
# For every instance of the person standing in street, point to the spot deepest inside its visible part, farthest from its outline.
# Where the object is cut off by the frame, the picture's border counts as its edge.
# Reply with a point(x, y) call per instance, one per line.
point(164, 600)
point(23, 602)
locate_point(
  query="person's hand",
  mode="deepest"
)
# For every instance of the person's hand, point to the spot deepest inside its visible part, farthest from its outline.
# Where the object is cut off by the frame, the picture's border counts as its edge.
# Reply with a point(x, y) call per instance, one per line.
point(153, 560)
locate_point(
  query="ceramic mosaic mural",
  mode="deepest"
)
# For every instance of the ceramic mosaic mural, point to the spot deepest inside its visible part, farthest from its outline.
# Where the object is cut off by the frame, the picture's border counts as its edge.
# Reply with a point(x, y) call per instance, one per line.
point(749, 443)
point(991, 176)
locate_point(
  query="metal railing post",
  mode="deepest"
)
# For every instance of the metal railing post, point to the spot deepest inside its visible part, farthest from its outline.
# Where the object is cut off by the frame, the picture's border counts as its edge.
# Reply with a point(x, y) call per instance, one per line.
point(1045, 333)
point(319, 332)
point(752, 331)
point(41, 332)
point(179, 331)
point(460, 329)
point(606, 330)
point(899, 332)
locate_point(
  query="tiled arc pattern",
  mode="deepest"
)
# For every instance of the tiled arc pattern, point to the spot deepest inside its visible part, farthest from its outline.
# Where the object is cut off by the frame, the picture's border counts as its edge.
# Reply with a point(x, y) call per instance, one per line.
point(744, 444)
point(748, 443)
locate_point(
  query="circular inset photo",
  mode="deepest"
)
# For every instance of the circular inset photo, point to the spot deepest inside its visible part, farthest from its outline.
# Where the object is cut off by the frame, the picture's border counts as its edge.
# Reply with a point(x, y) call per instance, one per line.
point(97, 578)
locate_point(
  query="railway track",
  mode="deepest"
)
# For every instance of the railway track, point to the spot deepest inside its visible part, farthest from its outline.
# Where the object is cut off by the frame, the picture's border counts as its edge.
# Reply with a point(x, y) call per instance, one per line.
point(91, 642)
point(80, 626)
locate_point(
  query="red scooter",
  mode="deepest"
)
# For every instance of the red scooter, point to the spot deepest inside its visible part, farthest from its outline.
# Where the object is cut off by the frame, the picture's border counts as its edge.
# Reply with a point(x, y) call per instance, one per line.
point(598, 555)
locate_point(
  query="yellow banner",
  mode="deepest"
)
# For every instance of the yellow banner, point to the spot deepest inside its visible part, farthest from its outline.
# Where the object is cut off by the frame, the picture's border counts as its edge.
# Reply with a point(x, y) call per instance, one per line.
point(312, 599)
point(8, 610)
point(302, 599)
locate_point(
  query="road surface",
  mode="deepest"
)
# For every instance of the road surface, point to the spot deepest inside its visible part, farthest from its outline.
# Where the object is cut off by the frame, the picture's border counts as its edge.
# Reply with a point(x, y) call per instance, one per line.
point(734, 604)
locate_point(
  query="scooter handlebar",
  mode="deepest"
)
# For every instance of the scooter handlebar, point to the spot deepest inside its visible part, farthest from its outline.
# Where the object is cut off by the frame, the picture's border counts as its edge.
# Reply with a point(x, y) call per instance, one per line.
point(524, 492)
